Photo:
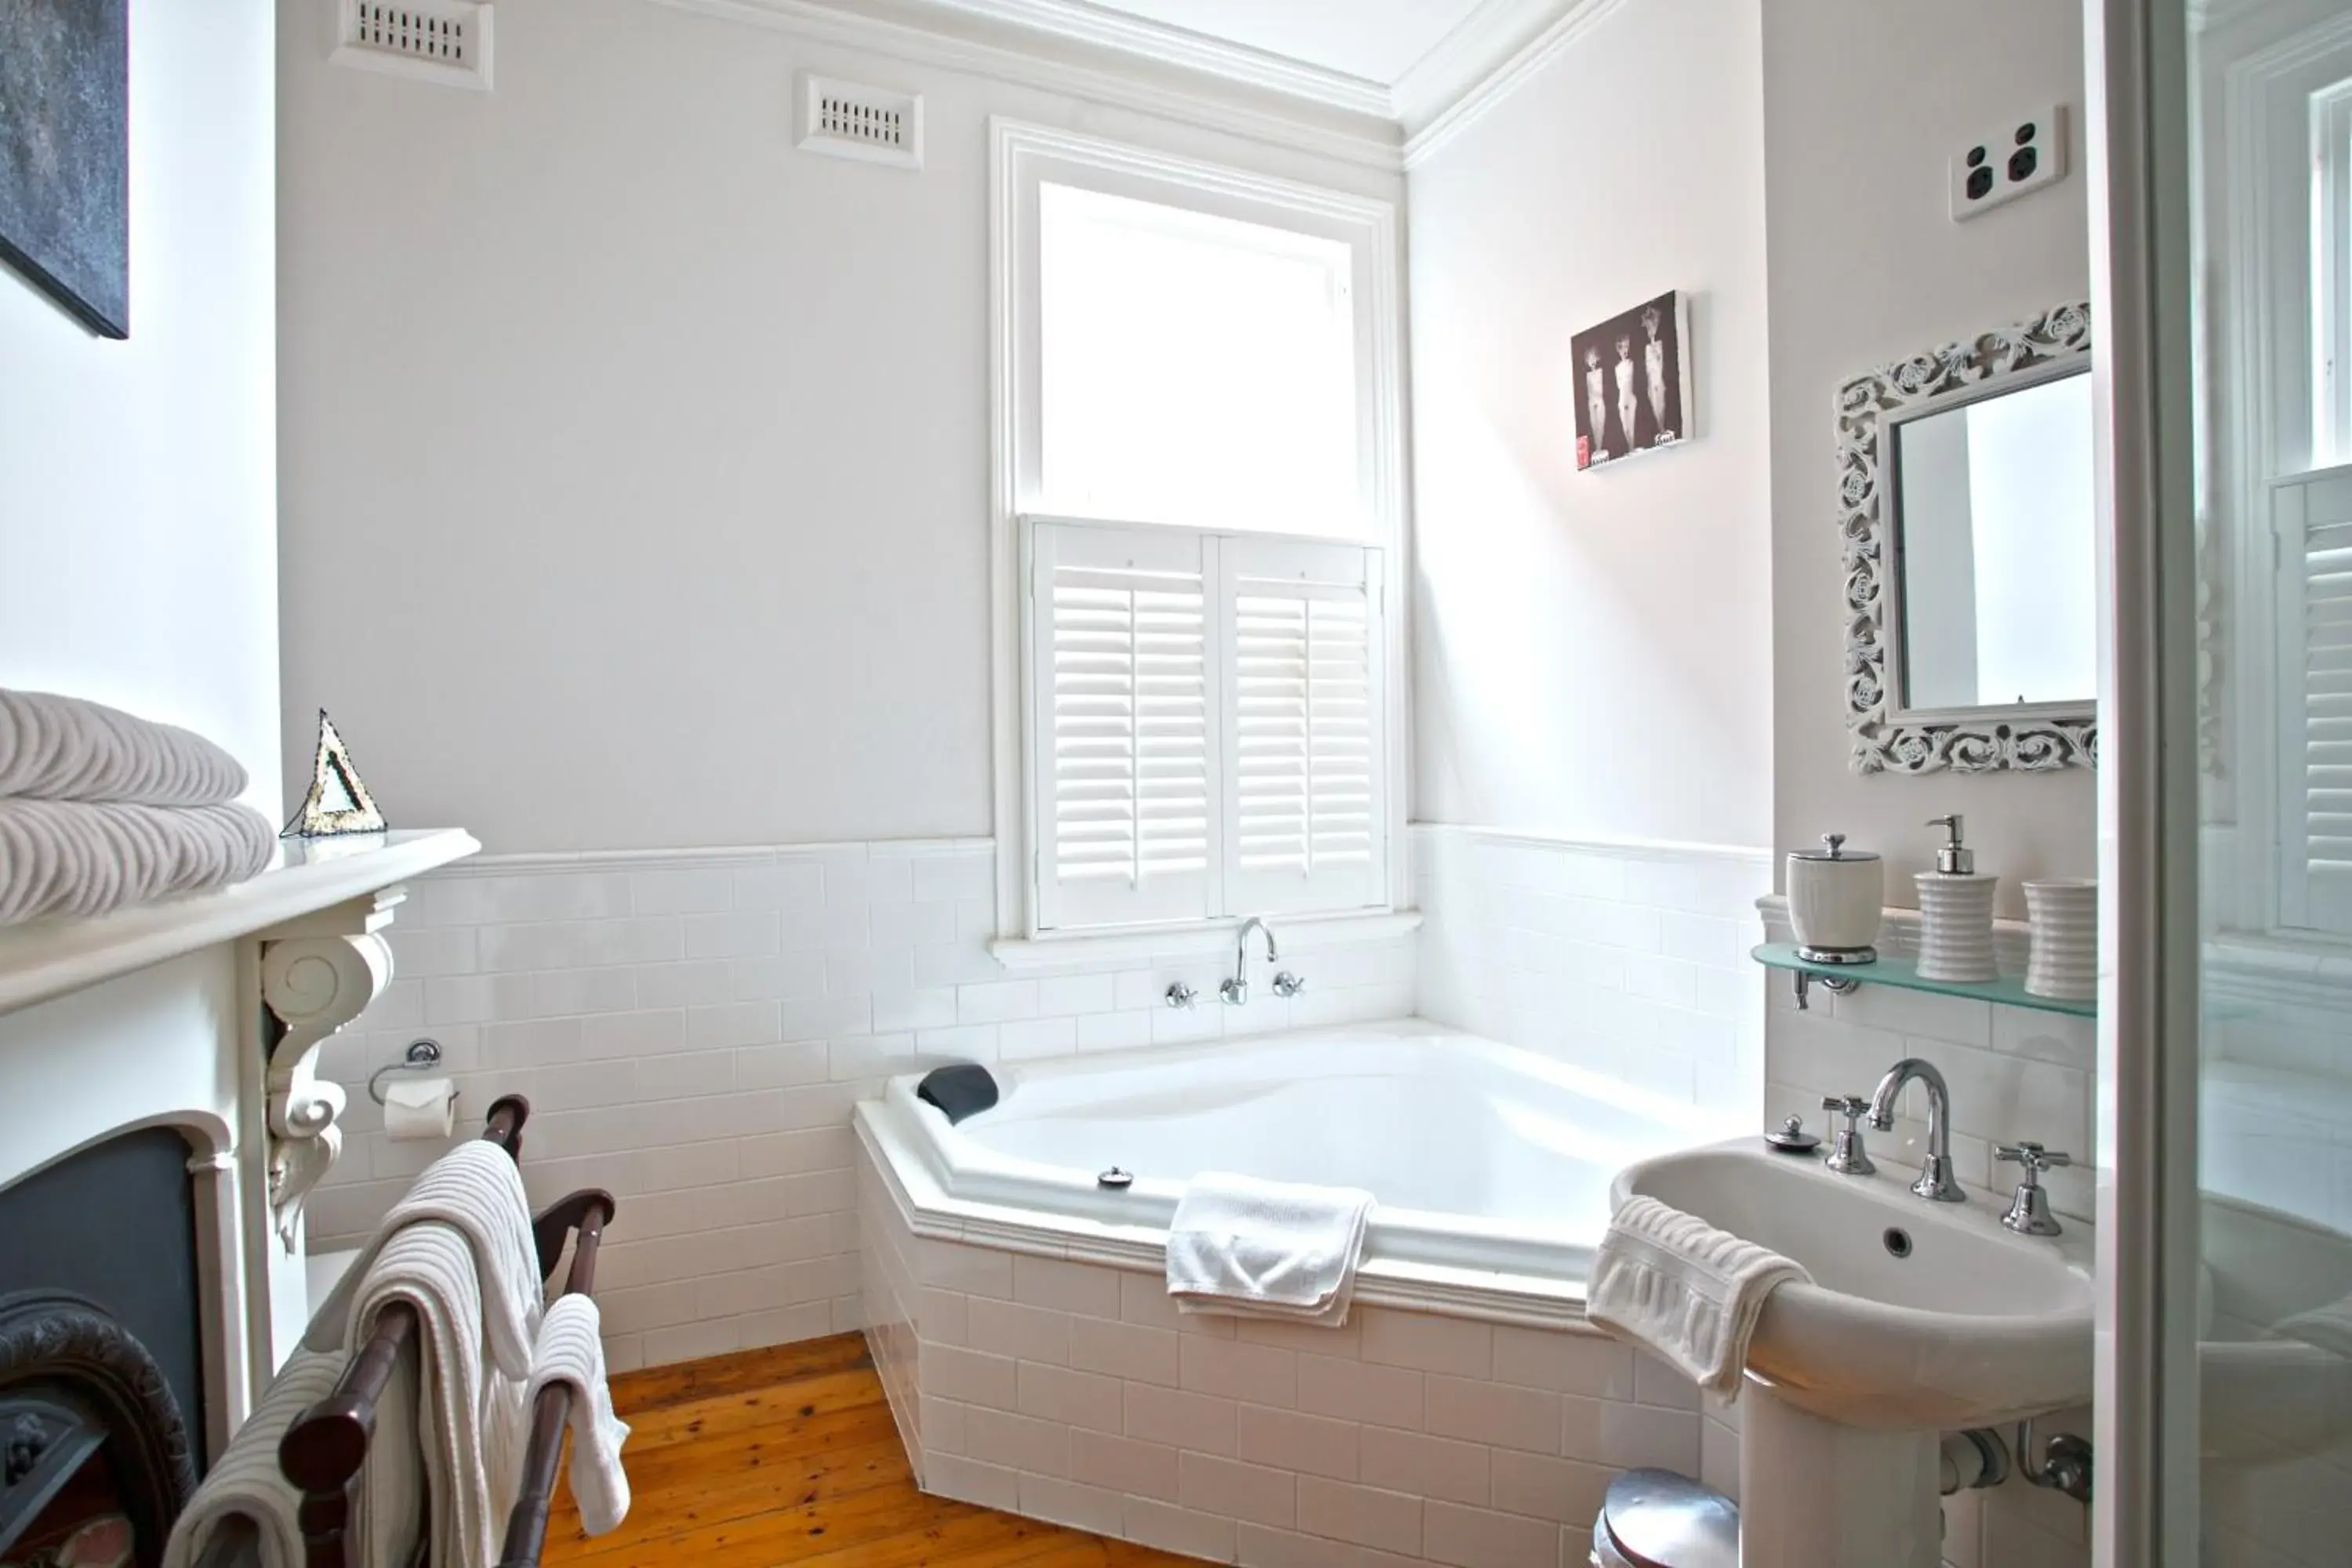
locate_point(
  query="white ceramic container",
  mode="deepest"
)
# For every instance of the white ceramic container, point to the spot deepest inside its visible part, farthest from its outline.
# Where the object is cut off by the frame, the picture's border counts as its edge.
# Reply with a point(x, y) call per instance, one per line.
point(1836, 898)
point(1956, 925)
point(2063, 912)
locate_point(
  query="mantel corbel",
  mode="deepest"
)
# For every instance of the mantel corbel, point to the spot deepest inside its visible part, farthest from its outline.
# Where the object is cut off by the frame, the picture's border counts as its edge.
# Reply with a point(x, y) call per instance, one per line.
point(318, 973)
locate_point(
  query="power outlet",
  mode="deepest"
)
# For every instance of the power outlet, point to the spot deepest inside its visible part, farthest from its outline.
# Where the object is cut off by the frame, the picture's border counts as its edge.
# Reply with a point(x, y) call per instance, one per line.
point(2022, 157)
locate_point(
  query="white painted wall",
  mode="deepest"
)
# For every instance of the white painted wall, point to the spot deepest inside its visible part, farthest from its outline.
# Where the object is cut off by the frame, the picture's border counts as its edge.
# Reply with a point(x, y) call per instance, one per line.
point(1862, 108)
point(138, 482)
point(637, 465)
point(1593, 653)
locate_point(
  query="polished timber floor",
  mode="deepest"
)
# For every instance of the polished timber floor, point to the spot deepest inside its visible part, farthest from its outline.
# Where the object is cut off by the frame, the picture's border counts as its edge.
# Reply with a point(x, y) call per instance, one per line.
point(788, 1456)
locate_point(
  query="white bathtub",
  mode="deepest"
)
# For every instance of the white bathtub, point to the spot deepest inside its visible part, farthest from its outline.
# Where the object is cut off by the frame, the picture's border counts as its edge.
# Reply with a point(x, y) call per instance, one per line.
point(1490, 1164)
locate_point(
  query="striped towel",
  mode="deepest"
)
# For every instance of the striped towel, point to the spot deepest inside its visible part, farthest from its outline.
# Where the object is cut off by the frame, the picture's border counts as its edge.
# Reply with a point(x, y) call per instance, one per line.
point(64, 748)
point(571, 1351)
point(469, 1430)
point(475, 1189)
point(248, 1482)
point(1692, 1293)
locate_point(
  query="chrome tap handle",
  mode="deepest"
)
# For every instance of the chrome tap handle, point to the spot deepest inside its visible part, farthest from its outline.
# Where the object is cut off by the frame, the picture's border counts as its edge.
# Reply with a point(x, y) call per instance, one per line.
point(1289, 984)
point(1847, 1157)
point(2029, 1207)
point(1182, 996)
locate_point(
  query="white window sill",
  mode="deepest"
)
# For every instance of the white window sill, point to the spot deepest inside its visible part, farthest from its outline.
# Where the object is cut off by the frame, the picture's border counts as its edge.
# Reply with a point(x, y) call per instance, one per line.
point(1305, 934)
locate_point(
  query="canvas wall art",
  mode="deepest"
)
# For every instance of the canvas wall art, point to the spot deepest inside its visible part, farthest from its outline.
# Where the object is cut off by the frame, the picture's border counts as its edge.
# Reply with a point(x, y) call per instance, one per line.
point(1633, 382)
point(65, 154)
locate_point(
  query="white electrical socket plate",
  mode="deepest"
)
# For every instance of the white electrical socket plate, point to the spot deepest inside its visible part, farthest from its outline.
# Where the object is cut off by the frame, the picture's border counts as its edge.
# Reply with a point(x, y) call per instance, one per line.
point(2042, 147)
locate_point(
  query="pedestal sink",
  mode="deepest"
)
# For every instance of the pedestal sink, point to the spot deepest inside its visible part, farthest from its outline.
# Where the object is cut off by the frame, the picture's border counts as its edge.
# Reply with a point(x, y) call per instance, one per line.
point(1922, 1317)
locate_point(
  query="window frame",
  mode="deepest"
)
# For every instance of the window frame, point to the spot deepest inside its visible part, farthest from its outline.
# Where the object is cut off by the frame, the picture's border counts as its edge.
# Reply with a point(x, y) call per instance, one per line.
point(1021, 156)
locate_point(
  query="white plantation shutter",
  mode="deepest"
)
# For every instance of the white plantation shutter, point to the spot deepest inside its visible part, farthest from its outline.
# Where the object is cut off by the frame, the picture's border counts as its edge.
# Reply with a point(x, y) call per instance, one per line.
point(1304, 797)
point(1125, 746)
point(2313, 515)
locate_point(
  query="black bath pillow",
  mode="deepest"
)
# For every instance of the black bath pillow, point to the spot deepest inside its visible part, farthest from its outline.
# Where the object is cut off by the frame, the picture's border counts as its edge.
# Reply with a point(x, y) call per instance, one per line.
point(965, 1089)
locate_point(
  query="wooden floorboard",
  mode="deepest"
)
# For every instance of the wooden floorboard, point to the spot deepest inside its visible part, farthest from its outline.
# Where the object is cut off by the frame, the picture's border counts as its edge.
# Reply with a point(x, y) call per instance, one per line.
point(788, 1457)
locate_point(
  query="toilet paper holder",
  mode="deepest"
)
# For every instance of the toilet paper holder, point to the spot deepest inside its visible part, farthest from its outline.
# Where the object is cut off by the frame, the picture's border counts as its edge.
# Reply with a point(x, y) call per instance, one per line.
point(422, 1056)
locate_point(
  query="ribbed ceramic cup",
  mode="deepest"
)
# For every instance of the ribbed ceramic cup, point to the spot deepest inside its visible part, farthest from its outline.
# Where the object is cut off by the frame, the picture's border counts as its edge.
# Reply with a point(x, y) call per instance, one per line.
point(2063, 915)
point(1955, 926)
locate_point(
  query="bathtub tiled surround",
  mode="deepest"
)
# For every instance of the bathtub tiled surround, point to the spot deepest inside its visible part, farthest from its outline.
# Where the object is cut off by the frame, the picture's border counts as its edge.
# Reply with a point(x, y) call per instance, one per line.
point(1075, 1392)
point(693, 1029)
point(1628, 959)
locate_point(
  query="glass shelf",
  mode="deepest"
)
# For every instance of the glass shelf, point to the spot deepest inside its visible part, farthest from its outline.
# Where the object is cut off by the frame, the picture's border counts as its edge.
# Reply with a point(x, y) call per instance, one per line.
point(1903, 973)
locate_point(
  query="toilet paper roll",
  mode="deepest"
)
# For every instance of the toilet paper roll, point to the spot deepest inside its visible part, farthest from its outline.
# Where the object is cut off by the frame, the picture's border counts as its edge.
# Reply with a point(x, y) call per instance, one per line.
point(416, 1108)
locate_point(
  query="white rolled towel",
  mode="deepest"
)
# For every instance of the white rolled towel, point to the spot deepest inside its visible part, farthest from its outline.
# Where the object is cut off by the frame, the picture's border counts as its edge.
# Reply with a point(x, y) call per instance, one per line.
point(66, 748)
point(65, 858)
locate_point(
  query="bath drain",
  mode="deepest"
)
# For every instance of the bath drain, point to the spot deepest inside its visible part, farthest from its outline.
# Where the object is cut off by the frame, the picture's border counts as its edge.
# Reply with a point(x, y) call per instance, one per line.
point(1116, 1179)
point(1898, 1241)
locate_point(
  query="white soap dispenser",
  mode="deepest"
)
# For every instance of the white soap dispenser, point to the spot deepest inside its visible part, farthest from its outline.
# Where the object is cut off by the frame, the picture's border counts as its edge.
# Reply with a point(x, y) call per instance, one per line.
point(1955, 912)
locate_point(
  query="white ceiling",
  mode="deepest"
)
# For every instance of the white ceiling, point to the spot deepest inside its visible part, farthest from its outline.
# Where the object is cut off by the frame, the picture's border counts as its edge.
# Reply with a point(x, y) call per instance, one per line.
point(1377, 40)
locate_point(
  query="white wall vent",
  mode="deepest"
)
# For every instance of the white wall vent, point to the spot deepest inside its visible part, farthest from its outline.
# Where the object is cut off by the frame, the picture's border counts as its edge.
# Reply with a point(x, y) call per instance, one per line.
point(431, 40)
point(873, 123)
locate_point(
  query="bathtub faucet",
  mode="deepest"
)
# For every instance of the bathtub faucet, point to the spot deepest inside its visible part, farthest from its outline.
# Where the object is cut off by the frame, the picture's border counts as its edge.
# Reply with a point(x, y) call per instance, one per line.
point(1237, 991)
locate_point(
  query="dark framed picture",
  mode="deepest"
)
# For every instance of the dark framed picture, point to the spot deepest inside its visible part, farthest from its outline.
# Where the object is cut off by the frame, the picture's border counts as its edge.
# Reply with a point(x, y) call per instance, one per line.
point(65, 154)
point(1633, 382)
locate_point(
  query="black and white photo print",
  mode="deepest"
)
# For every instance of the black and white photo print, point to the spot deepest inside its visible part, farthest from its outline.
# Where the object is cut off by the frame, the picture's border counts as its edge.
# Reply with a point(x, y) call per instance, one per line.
point(1633, 381)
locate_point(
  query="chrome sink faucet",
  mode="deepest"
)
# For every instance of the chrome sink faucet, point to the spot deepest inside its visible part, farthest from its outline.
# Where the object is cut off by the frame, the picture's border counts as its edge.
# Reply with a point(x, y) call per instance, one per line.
point(1935, 1183)
point(1235, 991)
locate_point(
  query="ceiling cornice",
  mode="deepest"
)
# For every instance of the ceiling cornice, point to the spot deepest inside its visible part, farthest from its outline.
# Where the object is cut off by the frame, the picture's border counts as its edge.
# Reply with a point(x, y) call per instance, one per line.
point(1076, 22)
point(1569, 23)
point(1109, 56)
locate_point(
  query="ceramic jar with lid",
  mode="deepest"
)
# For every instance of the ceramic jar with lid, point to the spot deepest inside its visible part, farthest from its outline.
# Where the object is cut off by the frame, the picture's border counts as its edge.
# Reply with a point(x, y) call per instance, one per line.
point(1836, 896)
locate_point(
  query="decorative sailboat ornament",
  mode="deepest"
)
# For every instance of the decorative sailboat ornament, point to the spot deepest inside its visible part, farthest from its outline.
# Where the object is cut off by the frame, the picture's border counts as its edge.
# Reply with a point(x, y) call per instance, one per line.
point(338, 801)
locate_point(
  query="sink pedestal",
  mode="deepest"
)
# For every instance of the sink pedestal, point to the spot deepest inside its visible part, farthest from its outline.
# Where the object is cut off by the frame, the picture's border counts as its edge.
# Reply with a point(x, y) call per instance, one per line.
point(1815, 1494)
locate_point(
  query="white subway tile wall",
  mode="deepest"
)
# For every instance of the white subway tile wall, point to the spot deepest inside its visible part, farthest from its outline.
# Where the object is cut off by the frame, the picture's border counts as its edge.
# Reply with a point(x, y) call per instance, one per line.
point(692, 1030)
point(1076, 1392)
point(1628, 960)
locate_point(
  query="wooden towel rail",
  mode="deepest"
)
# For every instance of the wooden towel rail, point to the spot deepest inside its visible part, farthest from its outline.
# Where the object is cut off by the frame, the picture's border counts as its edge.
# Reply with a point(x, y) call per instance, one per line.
point(323, 1452)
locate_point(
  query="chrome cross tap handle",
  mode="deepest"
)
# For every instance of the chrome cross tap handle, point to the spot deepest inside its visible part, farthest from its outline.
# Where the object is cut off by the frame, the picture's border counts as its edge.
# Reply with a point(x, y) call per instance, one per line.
point(1847, 1157)
point(2029, 1211)
point(1289, 984)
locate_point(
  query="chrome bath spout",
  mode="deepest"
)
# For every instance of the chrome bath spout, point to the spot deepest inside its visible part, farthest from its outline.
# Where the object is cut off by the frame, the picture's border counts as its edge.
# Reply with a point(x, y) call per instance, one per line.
point(1235, 991)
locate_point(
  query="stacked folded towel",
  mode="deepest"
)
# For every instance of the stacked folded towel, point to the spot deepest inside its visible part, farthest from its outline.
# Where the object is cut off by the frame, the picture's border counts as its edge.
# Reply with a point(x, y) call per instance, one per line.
point(1692, 1293)
point(246, 1481)
point(99, 810)
point(1267, 1250)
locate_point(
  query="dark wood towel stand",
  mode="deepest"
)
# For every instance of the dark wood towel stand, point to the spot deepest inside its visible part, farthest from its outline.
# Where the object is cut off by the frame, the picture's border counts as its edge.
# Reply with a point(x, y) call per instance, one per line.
point(321, 1453)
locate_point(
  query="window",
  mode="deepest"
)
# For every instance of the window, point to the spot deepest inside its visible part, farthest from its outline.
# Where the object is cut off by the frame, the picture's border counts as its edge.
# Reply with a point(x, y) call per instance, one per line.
point(1198, 504)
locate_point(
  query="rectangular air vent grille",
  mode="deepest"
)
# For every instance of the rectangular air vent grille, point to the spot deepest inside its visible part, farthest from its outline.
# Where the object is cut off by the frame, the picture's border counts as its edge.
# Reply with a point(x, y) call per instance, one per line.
point(433, 40)
point(871, 123)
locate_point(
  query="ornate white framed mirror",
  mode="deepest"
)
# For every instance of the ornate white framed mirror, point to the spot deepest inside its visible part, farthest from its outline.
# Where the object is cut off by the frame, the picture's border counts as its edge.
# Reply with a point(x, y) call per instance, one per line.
point(1964, 504)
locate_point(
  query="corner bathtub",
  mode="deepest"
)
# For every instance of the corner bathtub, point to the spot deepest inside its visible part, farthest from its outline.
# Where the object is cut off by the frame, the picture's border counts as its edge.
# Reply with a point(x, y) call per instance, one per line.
point(1490, 1166)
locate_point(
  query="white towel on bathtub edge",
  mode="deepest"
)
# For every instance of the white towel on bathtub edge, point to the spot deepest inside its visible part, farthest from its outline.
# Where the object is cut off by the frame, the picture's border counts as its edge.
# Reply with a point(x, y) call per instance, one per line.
point(1253, 1248)
point(1690, 1292)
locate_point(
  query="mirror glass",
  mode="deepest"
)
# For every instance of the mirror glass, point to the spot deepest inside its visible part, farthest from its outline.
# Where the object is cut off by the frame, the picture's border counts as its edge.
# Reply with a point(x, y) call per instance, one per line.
point(1994, 554)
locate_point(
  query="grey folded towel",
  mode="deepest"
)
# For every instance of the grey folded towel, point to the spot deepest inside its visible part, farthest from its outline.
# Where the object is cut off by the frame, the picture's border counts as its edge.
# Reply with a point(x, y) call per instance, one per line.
point(64, 748)
point(65, 858)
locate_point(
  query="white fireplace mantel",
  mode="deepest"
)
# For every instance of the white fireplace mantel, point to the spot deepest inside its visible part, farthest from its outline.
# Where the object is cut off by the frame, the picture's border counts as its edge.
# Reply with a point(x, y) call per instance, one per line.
point(50, 958)
point(203, 1015)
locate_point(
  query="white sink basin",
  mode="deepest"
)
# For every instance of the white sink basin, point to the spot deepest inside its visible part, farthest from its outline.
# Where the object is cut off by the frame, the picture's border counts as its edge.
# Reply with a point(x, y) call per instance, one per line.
point(1921, 1317)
